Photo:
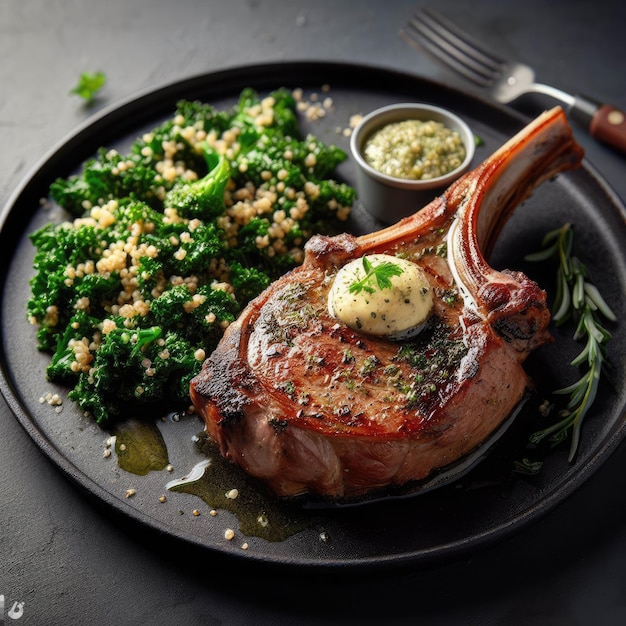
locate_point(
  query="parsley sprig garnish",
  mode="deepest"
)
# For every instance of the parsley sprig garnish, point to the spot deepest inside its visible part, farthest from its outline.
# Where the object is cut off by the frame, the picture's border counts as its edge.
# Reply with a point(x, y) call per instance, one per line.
point(379, 274)
point(88, 86)
point(576, 297)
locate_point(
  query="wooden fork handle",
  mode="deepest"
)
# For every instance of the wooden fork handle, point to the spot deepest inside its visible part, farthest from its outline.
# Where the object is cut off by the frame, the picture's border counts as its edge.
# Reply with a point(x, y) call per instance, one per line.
point(605, 122)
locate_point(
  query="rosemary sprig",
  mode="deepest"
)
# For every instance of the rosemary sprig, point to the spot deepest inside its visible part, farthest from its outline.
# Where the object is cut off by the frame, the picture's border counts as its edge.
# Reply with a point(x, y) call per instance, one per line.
point(576, 298)
point(380, 273)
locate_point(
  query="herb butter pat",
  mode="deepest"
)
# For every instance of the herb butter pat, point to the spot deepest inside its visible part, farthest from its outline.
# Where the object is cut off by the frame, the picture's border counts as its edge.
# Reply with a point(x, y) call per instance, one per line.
point(381, 295)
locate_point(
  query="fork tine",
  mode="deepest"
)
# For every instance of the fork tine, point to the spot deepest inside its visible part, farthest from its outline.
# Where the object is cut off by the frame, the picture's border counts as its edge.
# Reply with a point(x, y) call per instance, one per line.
point(464, 41)
point(476, 76)
point(454, 47)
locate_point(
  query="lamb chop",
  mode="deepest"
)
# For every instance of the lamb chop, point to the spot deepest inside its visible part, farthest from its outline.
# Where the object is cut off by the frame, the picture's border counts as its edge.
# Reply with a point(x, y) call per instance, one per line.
point(309, 403)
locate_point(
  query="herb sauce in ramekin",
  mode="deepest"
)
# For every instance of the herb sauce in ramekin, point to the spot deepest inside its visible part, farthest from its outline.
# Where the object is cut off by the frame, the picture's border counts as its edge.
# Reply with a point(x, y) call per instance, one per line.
point(414, 149)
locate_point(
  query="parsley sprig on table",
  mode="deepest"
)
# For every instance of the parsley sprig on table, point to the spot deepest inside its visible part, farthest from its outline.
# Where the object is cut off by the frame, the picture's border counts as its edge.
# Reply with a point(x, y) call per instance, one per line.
point(88, 85)
point(576, 297)
point(380, 274)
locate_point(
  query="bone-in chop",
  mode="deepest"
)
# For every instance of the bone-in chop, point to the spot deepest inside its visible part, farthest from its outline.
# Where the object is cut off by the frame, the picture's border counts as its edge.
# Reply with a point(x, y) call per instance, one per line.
point(310, 404)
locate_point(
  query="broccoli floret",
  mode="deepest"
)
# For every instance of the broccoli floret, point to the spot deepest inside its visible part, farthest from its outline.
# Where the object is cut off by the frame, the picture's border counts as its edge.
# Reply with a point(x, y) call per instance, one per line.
point(204, 198)
point(113, 175)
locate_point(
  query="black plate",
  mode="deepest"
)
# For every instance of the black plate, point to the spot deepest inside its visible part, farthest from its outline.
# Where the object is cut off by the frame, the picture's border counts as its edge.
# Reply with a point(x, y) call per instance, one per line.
point(487, 504)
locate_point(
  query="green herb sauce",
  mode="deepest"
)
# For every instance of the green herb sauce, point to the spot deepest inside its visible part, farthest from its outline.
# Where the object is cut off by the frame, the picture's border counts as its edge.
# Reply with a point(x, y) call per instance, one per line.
point(415, 150)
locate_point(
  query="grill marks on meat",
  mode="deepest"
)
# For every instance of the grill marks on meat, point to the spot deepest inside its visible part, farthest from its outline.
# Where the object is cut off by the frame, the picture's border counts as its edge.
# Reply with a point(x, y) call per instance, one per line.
point(308, 405)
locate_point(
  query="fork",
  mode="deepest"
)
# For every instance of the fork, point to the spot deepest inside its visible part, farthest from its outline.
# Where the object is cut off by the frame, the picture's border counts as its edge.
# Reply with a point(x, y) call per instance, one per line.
point(506, 80)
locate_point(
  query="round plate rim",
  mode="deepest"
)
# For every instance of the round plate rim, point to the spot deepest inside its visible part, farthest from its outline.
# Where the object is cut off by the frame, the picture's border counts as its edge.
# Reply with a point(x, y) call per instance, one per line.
point(234, 76)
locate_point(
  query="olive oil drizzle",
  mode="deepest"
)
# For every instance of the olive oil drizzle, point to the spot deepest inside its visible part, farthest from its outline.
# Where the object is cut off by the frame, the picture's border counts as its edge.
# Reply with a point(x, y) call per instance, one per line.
point(260, 514)
point(140, 447)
